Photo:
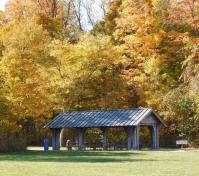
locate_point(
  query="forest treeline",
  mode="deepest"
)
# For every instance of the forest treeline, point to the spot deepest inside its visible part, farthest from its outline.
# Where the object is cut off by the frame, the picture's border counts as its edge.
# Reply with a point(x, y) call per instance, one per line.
point(143, 53)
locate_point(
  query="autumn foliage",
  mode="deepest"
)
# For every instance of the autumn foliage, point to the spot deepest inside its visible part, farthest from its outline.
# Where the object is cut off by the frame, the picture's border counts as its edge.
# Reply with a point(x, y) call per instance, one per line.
point(143, 53)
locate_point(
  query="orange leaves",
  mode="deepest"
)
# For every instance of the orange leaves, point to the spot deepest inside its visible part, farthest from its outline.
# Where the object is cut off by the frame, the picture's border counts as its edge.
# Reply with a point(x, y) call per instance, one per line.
point(137, 29)
point(18, 9)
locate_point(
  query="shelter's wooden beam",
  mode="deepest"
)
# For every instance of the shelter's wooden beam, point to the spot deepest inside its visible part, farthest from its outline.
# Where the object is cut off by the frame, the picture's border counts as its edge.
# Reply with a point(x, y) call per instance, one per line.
point(136, 137)
point(56, 138)
point(155, 136)
point(104, 140)
point(80, 139)
point(157, 142)
point(129, 132)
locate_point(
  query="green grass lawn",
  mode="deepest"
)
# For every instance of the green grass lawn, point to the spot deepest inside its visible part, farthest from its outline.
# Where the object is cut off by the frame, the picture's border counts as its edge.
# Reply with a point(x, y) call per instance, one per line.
point(100, 163)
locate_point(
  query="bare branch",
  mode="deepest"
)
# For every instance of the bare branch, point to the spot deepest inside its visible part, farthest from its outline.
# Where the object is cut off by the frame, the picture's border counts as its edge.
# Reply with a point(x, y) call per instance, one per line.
point(89, 14)
point(78, 12)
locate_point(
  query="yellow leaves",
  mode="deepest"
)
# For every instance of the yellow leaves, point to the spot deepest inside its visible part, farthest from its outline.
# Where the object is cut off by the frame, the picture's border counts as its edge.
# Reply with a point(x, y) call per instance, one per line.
point(2, 19)
point(23, 36)
point(98, 49)
point(25, 78)
point(61, 50)
point(29, 38)
point(78, 65)
point(197, 104)
point(14, 59)
point(2, 15)
point(24, 84)
point(152, 65)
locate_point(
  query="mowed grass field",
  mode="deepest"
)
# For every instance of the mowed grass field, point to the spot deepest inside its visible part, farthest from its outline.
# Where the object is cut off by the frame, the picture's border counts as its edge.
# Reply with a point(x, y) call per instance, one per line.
point(100, 163)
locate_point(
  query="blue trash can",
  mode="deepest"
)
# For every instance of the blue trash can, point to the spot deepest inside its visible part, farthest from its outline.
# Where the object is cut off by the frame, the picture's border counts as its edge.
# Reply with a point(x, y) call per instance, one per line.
point(46, 145)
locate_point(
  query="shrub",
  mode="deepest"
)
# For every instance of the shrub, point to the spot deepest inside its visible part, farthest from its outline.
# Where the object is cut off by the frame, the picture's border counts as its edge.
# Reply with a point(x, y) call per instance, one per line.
point(11, 137)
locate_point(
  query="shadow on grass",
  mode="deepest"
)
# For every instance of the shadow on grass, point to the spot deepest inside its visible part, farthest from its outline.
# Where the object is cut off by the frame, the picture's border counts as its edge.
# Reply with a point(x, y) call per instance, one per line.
point(75, 156)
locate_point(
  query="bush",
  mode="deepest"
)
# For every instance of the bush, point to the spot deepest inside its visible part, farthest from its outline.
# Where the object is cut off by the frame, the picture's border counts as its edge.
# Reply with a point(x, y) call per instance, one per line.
point(11, 137)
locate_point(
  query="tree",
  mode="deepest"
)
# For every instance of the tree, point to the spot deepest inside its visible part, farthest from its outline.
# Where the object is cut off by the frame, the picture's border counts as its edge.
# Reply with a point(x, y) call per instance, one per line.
point(24, 76)
point(80, 66)
point(178, 15)
point(155, 42)
point(111, 15)
point(139, 35)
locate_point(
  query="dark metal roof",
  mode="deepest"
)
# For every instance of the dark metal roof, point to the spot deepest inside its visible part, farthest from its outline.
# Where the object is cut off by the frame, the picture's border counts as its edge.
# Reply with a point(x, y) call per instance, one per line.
point(102, 118)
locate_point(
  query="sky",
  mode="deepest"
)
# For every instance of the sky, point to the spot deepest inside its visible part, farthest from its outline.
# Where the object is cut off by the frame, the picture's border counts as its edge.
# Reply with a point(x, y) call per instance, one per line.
point(2, 4)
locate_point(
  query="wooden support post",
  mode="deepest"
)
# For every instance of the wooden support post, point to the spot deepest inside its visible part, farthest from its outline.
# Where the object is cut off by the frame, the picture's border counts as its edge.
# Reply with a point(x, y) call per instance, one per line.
point(153, 129)
point(129, 132)
point(56, 138)
point(80, 139)
point(155, 136)
point(76, 137)
point(104, 138)
point(136, 137)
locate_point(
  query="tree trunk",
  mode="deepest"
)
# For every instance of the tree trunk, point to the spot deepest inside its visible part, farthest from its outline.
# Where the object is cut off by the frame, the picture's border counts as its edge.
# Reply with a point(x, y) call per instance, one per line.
point(53, 8)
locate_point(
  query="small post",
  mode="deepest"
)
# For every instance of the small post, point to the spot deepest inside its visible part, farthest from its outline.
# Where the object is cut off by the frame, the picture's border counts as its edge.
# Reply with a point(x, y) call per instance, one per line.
point(56, 138)
point(136, 138)
point(104, 140)
point(81, 139)
point(129, 132)
point(155, 136)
